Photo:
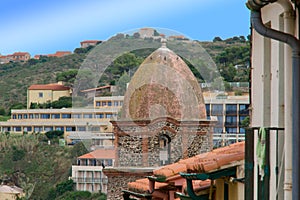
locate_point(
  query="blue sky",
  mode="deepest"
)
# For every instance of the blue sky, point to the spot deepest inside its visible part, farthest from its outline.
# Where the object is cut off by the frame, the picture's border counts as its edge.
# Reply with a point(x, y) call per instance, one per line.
point(42, 27)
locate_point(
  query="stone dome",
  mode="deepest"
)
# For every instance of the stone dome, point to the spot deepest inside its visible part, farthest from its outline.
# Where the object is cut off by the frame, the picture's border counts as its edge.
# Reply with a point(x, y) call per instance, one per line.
point(163, 86)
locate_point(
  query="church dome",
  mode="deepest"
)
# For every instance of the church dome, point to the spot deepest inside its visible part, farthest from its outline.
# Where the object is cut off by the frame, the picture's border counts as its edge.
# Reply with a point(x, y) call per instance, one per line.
point(163, 86)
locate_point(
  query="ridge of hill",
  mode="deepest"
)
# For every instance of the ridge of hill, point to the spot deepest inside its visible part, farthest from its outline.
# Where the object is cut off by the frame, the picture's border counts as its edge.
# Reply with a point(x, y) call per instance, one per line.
point(16, 77)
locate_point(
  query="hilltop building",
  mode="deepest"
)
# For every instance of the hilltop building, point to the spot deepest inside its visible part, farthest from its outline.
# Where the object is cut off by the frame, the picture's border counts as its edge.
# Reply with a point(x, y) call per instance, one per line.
point(87, 43)
point(17, 56)
point(60, 54)
point(43, 93)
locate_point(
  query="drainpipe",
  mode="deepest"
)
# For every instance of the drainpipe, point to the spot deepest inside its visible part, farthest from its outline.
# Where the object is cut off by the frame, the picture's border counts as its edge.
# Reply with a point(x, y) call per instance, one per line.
point(255, 6)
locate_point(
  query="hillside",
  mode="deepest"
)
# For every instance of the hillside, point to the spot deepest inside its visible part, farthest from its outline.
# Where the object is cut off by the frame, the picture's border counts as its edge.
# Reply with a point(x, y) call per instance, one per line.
point(30, 163)
point(15, 78)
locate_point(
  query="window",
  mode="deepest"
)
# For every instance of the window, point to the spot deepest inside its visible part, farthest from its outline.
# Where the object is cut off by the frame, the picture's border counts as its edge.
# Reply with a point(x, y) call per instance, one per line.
point(231, 130)
point(104, 103)
point(17, 128)
point(98, 103)
point(48, 128)
point(218, 130)
point(70, 128)
point(116, 103)
point(121, 103)
point(19, 116)
point(25, 116)
point(76, 116)
point(220, 120)
point(109, 103)
point(45, 116)
point(59, 128)
point(108, 115)
point(31, 116)
point(95, 128)
point(14, 116)
point(38, 129)
point(55, 116)
point(231, 109)
point(244, 109)
point(231, 121)
point(109, 162)
point(207, 106)
point(28, 128)
point(41, 95)
point(242, 130)
point(217, 109)
point(66, 116)
point(88, 116)
point(99, 115)
point(36, 116)
point(81, 128)
point(241, 118)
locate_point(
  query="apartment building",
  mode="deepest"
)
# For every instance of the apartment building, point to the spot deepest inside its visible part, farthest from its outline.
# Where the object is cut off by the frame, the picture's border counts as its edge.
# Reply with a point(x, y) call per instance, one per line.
point(87, 173)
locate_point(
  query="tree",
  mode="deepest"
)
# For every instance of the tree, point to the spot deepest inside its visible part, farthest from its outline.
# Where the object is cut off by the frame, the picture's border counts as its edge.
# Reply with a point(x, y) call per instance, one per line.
point(217, 39)
point(2, 111)
point(54, 134)
point(122, 83)
point(68, 76)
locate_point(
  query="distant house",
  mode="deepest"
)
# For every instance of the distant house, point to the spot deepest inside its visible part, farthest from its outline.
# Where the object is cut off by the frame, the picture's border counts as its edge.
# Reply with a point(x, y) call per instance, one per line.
point(19, 56)
point(60, 54)
point(39, 93)
point(10, 192)
point(87, 43)
point(88, 175)
point(177, 37)
point(146, 32)
point(4, 59)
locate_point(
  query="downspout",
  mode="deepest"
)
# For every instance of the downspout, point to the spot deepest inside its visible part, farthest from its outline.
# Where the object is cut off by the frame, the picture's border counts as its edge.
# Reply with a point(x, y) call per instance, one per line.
point(293, 42)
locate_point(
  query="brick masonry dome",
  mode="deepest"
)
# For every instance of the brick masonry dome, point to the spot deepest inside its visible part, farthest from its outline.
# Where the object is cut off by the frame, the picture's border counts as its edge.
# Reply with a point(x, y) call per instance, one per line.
point(163, 86)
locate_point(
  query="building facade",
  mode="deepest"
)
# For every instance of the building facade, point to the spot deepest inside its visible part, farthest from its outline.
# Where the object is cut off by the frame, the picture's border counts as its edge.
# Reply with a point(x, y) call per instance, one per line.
point(43, 93)
point(87, 173)
point(273, 97)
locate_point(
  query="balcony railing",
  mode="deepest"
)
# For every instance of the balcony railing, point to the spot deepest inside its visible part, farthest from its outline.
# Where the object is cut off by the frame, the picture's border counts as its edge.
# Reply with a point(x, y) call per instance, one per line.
point(90, 180)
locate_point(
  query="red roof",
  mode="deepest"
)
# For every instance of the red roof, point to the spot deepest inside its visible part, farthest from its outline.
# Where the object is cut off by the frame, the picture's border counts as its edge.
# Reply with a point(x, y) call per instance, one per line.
point(49, 87)
point(100, 154)
point(60, 54)
point(90, 41)
point(20, 54)
point(205, 162)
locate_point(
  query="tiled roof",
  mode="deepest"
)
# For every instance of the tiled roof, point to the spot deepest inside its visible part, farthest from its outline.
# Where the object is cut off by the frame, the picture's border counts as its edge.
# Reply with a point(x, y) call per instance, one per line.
point(20, 54)
point(60, 54)
point(48, 87)
point(99, 154)
point(205, 162)
point(142, 185)
point(90, 41)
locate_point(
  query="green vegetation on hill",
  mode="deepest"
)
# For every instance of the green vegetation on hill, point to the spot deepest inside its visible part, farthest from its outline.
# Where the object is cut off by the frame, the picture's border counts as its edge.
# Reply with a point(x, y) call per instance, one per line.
point(30, 163)
point(16, 77)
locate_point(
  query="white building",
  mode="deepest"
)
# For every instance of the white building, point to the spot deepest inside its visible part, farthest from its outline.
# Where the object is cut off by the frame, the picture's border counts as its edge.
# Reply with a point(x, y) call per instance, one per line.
point(275, 98)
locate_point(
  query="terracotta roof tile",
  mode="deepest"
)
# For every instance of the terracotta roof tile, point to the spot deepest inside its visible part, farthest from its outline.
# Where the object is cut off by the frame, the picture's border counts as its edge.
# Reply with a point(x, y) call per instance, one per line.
point(205, 162)
point(48, 87)
point(90, 41)
point(100, 154)
point(142, 185)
